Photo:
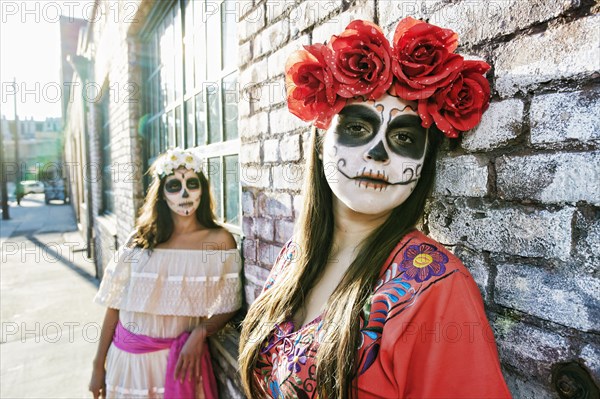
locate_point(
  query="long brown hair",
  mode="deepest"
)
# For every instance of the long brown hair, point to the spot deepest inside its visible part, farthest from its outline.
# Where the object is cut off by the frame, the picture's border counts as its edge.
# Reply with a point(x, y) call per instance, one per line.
point(154, 224)
point(337, 355)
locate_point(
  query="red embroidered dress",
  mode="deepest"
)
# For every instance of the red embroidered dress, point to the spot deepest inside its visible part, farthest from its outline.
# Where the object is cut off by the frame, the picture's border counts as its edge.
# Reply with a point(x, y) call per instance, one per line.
point(424, 334)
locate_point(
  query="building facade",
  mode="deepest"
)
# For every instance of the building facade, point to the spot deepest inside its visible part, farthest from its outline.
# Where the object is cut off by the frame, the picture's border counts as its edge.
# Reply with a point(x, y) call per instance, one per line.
point(517, 198)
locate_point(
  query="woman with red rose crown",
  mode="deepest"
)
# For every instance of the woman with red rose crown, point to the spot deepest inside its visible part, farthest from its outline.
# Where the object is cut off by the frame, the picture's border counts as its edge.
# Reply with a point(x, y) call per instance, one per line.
point(359, 303)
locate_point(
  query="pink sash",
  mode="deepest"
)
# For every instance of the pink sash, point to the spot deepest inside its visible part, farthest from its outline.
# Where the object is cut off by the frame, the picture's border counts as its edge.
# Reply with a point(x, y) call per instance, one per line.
point(174, 389)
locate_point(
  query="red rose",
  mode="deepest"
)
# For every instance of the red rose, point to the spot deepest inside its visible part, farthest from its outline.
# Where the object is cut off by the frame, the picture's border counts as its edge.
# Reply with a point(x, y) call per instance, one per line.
point(361, 61)
point(459, 106)
point(423, 59)
point(311, 88)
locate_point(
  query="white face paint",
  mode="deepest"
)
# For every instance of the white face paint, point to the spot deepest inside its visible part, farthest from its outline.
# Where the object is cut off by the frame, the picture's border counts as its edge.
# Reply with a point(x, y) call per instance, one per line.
point(182, 191)
point(373, 154)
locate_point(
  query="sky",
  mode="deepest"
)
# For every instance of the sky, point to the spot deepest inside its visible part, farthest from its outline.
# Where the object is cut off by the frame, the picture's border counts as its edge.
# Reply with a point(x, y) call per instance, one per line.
point(30, 53)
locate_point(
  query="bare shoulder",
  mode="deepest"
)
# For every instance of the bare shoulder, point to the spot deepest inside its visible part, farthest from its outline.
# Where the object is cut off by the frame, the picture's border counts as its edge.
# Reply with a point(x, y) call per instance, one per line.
point(219, 239)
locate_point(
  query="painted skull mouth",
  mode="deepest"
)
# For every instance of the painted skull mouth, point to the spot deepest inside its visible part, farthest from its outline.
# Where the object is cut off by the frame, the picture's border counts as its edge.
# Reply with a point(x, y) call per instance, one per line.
point(375, 180)
point(186, 204)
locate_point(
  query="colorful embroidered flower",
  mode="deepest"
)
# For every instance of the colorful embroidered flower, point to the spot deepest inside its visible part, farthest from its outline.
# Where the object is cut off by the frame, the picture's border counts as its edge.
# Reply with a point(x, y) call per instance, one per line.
point(311, 88)
point(459, 106)
point(280, 365)
point(421, 262)
point(361, 60)
point(423, 59)
point(296, 358)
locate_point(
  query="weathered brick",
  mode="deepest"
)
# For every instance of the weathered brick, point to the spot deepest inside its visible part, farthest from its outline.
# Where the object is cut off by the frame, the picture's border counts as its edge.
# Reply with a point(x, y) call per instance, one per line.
point(277, 94)
point(501, 123)
point(244, 53)
point(276, 8)
point(267, 254)
point(311, 11)
point(565, 116)
point(298, 202)
point(550, 178)
point(271, 150)
point(255, 176)
point(477, 265)
point(392, 11)
point(564, 51)
point(251, 23)
point(265, 228)
point(512, 230)
point(278, 59)
point(255, 125)
point(247, 203)
point(461, 176)
point(591, 357)
point(246, 10)
point(337, 23)
point(249, 251)
point(256, 274)
point(587, 242)
point(274, 204)
point(549, 296)
point(284, 230)
point(288, 177)
point(256, 73)
point(250, 153)
point(528, 349)
point(275, 36)
point(282, 121)
point(248, 227)
point(290, 147)
point(527, 388)
point(501, 17)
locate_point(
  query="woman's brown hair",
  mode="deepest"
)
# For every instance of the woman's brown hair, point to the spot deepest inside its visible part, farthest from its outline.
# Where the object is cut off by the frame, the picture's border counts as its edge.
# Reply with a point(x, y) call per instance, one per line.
point(337, 355)
point(154, 224)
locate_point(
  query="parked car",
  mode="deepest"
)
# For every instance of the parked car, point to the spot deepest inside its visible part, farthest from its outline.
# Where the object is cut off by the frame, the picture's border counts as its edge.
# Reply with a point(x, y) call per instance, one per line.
point(32, 186)
point(55, 190)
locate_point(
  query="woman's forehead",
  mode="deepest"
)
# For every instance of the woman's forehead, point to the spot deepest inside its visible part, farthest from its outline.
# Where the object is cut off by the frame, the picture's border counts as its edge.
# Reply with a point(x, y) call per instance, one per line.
point(387, 106)
point(182, 173)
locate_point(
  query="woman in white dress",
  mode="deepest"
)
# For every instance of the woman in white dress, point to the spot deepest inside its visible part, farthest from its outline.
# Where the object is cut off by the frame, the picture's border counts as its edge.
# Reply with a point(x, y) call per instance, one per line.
point(173, 283)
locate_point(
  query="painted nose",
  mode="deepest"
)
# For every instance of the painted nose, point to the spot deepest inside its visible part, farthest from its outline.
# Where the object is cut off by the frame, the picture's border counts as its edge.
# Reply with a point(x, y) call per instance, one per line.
point(377, 153)
point(185, 194)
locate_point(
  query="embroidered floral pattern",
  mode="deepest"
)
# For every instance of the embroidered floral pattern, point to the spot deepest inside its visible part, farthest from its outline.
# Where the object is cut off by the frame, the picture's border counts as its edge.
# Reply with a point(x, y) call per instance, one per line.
point(421, 262)
point(286, 366)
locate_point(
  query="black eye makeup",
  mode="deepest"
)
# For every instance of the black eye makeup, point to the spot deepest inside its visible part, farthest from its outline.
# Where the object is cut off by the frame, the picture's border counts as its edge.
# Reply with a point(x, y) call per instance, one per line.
point(357, 125)
point(406, 137)
point(174, 185)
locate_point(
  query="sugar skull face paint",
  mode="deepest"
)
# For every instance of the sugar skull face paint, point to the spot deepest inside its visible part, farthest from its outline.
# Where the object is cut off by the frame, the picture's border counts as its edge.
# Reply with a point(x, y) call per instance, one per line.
point(373, 153)
point(182, 191)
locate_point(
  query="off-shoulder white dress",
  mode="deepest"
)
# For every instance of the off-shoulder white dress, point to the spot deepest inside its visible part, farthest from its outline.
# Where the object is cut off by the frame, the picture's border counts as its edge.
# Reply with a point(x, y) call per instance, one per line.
point(162, 293)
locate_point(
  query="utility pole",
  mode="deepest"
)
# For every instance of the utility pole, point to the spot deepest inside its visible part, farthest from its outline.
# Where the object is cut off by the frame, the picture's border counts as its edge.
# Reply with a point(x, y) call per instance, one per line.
point(16, 140)
point(5, 214)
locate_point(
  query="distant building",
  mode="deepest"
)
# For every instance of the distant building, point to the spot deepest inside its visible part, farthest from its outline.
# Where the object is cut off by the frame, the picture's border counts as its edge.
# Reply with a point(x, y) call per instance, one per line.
point(40, 146)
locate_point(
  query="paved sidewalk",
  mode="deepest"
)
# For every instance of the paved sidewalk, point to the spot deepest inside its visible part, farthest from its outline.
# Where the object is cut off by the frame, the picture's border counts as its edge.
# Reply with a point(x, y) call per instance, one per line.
point(50, 327)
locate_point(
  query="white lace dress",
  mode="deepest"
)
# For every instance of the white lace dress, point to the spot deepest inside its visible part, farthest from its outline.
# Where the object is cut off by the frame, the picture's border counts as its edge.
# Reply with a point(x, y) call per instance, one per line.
point(162, 293)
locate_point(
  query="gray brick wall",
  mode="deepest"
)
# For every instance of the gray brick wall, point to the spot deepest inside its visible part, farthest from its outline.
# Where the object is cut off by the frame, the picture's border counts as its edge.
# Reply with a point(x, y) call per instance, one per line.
point(516, 199)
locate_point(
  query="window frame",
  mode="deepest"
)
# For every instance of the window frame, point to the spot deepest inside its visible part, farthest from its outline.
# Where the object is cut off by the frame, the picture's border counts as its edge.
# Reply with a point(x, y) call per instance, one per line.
point(162, 113)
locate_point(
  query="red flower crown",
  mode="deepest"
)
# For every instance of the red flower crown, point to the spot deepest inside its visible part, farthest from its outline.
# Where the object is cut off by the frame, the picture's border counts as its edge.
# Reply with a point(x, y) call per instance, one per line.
point(360, 62)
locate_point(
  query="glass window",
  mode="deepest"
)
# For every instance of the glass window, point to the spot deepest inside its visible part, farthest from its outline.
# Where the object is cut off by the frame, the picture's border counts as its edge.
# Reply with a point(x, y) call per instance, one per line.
point(107, 176)
point(232, 195)
point(191, 88)
point(215, 178)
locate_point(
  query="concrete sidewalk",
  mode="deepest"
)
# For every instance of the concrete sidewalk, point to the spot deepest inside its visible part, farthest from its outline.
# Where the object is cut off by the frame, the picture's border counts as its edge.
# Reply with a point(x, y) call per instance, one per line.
point(50, 327)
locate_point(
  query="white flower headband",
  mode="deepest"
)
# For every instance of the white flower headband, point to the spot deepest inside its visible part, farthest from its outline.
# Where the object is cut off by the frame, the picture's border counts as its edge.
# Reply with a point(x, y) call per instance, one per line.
point(175, 158)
